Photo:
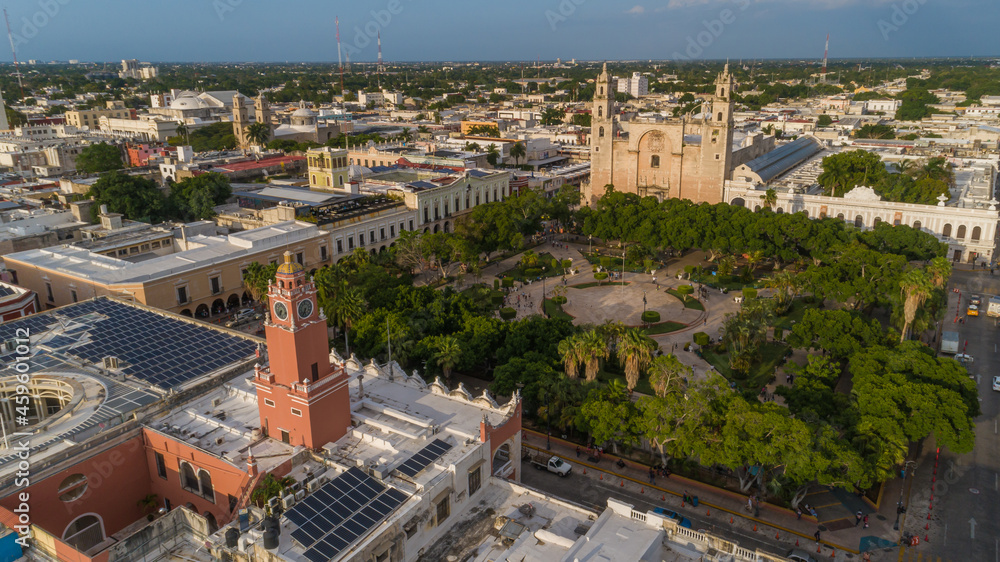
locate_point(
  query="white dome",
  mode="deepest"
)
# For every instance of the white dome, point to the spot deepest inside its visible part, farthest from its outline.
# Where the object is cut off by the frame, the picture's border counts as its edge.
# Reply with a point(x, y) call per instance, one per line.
point(187, 102)
point(304, 112)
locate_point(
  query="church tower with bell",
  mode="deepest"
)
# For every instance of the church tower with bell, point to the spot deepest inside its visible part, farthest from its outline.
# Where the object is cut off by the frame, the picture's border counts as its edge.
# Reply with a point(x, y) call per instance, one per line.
point(303, 399)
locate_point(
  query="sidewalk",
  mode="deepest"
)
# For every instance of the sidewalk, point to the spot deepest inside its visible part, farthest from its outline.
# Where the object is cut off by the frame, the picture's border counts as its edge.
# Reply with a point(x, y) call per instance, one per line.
point(728, 506)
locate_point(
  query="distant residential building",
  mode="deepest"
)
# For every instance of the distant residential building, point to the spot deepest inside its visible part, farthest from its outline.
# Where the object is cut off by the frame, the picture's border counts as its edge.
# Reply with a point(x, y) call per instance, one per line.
point(328, 169)
point(636, 85)
point(146, 128)
point(886, 106)
point(383, 98)
point(132, 68)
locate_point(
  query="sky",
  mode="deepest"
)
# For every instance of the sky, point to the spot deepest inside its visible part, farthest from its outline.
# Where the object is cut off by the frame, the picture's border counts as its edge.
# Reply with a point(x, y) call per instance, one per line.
point(443, 30)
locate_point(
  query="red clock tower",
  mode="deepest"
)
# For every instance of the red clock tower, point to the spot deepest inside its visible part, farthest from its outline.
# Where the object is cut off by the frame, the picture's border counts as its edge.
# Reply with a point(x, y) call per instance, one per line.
point(302, 398)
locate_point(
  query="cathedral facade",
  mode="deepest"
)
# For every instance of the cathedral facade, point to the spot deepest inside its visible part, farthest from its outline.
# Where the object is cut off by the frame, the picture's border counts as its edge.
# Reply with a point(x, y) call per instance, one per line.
point(685, 158)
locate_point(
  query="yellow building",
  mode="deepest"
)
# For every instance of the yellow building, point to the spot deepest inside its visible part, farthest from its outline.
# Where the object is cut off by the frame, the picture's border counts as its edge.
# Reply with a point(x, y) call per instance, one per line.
point(328, 169)
point(91, 118)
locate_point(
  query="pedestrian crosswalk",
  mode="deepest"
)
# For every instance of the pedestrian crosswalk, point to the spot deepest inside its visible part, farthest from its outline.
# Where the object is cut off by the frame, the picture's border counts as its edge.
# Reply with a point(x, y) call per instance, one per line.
point(917, 555)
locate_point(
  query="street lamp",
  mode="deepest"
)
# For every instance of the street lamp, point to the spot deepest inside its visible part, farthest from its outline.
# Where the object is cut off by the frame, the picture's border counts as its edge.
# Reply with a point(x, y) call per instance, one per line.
point(590, 240)
point(899, 505)
point(623, 271)
point(643, 317)
point(543, 293)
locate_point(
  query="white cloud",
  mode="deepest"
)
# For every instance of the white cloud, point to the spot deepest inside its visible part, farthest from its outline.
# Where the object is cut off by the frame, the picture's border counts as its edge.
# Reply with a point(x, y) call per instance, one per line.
point(636, 10)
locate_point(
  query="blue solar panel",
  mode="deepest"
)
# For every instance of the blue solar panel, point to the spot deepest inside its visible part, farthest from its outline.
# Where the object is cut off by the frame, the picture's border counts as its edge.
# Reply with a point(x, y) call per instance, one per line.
point(164, 351)
point(423, 458)
point(344, 509)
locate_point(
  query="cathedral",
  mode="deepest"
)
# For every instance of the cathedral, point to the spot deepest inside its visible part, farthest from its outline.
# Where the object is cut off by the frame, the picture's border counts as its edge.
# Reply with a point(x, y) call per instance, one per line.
point(304, 124)
point(685, 158)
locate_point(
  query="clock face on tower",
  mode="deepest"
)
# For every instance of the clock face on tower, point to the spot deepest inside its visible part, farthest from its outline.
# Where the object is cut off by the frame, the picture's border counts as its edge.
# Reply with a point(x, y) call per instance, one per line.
point(280, 311)
point(305, 309)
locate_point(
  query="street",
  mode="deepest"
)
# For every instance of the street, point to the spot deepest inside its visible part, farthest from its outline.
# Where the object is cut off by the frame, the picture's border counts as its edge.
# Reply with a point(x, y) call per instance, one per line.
point(965, 511)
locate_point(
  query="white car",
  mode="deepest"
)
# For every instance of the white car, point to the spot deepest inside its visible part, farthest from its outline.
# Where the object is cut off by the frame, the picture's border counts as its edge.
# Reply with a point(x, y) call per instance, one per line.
point(963, 358)
point(996, 383)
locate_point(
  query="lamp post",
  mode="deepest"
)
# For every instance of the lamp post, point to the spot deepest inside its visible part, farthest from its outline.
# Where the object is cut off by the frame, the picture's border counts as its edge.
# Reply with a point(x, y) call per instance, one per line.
point(899, 505)
point(623, 270)
point(643, 317)
point(590, 240)
point(543, 293)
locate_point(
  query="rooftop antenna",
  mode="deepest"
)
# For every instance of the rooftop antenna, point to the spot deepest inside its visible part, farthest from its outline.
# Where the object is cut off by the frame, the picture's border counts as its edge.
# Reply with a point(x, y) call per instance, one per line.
point(826, 51)
point(13, 51)
point(340, 61)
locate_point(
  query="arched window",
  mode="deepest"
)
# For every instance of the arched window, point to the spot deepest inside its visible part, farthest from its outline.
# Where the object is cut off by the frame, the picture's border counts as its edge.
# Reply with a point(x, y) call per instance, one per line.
point(720, 117)
point(654, 161)
point(947, 231)
point(602, 91)
point(84, 532)
point(780, 210)
point(206, 485)
point(961, 232)
point(840, 216)
point(600, 112)
point(916, 225)
point(859, 221)
point(600, 132)
point(976, 233)
point(876, 221)
point(188, 478)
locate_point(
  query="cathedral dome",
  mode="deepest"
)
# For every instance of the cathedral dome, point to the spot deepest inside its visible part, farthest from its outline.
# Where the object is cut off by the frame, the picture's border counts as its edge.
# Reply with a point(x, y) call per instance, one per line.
point(290, 267)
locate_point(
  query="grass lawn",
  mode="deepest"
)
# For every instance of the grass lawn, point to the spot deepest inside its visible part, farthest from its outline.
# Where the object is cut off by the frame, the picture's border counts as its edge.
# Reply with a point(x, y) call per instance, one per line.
point(794, 314)
point(544, 260)
point(663, 328)
point(554, 310)
point(596, 284)
point(690, 302)
point(771, 355)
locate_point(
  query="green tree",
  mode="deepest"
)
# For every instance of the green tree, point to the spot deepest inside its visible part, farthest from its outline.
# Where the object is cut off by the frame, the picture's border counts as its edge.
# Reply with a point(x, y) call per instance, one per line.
point(270, 486)
point(593, 348)
point(635, 350)
point(875, 131)
point(194, 198)
point(844, 171)
point(770, 198)
point(98, 158)
point(666, 373)
point(517, 152)
point(492, 155)
point(916, 288)
point(135, 197)
point(484, 131)
point(570, 351)
point(611, 416)
point(552, 116)
point(447, 355)
point(824, 121)
point(257, 278)
point(258, 133)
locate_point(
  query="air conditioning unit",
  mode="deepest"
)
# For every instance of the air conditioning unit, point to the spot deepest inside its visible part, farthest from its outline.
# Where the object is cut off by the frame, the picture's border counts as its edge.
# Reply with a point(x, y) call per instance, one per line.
point(216, 402)
point(300, 495)
point(10, 345)
point(110, 362)
point(313, 485)
point(272, 503)
point(287, 502)
point(380, 472)
point(296, 486)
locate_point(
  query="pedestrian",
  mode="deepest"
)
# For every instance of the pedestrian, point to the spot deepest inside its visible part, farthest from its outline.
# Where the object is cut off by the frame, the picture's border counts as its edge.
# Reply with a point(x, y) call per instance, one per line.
point(866, 522)
point(749, 504)
point(817, 536)
point(857, 518)
point(798, 514)
point(577, 451)
point(652, 475)
point(705, 323)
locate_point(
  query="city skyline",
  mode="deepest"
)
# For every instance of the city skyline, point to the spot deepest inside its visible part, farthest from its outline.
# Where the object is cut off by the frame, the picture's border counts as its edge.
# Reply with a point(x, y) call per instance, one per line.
point(230, 30)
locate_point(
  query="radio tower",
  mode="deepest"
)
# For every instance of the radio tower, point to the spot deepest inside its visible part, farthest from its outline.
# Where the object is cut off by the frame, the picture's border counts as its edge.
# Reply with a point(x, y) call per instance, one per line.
point(379, 68)
point(340, 61)
point(826, 51)
point(13, 51)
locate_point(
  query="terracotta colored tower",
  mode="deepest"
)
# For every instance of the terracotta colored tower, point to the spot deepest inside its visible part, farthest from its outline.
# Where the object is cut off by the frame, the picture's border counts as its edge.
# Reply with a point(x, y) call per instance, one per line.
point(302, 398)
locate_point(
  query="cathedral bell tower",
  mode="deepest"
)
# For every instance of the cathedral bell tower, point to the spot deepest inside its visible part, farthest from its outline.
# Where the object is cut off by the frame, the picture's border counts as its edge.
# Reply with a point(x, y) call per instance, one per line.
point(241, 120)
point(717, 140)
point(602, 131)
point(302, 398)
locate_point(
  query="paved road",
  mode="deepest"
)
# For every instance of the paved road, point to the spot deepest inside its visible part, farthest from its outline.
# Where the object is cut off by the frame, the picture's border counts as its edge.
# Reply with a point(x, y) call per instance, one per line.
point(965, 514)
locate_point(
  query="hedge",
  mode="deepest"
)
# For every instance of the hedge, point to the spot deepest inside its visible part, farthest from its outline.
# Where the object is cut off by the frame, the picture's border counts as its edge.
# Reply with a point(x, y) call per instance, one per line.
point(508, 313)
point(651, 316)
point(749, 293)
point(701, 338)
point(507, 282)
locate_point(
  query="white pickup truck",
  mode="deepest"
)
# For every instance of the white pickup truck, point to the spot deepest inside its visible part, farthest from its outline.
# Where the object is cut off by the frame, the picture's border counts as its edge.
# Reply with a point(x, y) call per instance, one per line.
point(552, 464)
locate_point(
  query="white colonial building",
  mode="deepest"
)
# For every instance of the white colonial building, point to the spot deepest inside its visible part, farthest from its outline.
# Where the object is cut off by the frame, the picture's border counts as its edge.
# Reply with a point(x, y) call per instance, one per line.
point(970, 233)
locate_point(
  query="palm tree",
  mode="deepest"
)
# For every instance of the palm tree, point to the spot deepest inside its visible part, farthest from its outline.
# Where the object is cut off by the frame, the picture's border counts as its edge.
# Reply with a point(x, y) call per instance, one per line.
point(635, 351)
point(182, 131)
point(270, 486)
point(258, 133)
point(903, 166)
point(770, 198)
point(939, 271)
point(149, 503)
point(331, 284)
point(348, 309)
point(493, 155)
point(406, 135)
point(529, 259)
point(473, 146)
point(517, 152)
point(569, 350)
point(257, 278)
point(786, 286)
point(449, 352)
point(593, 348)
point(665, 373)
point(916, 288)
point(754, 259)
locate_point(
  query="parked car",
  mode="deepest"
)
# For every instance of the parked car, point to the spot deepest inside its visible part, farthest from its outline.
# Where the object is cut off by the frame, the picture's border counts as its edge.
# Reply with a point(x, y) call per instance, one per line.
point(552, 463)
point(973, 310)
point(680, 519)
point(996, 383)
point(976, 300)
point(964, 358)
point(243, 316)
point(799, 555)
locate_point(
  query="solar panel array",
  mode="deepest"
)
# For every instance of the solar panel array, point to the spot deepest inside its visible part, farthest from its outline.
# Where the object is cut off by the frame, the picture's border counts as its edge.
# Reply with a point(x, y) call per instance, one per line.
point(160, 350)
point(423, 458)
point(344, 509)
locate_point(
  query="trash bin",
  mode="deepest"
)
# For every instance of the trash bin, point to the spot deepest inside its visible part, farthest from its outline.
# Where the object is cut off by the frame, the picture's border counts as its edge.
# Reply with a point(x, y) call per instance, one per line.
point(694, 501)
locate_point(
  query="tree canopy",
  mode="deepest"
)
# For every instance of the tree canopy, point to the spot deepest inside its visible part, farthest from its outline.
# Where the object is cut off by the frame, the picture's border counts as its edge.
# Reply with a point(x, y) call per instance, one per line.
point(98, 158)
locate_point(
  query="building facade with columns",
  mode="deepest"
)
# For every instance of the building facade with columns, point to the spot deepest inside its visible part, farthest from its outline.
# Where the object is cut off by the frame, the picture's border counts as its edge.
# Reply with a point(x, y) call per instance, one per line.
point(971, 233)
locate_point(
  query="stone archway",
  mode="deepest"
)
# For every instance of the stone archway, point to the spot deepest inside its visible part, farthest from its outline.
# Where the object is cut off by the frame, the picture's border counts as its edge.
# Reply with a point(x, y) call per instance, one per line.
point(218, 307)
point(233, 302)
point(246, 299)
point(503, 461)
point(201, 311)
point(738, 202)
point(85, 532)
point(187, 312)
